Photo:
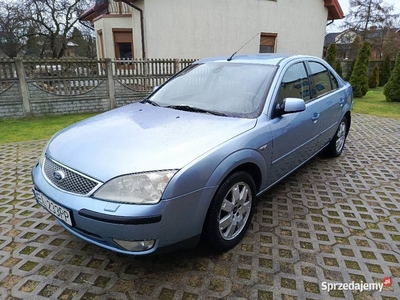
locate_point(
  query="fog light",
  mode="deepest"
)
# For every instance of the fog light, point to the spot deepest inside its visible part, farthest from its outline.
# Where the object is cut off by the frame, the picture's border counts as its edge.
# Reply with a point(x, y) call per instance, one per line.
point(135, 245)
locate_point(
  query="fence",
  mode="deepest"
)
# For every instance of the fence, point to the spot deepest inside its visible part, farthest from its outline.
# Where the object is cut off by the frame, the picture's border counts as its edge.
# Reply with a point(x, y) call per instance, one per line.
point(346, 66)
point(38, 87)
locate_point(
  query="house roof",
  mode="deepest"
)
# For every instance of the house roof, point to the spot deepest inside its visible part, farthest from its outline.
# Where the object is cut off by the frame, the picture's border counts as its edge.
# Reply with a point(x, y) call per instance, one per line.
point(71, 44)
point(97, 9)
point(335, 11)
point(370, 35)
point(330, 38)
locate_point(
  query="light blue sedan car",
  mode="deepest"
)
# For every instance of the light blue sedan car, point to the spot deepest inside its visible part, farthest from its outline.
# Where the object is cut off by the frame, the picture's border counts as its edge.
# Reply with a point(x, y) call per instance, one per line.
point(190, 160)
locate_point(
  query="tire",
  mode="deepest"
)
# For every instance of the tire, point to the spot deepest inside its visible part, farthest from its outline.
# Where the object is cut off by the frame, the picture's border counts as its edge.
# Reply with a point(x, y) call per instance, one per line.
point(230, 212)
point(336, 145)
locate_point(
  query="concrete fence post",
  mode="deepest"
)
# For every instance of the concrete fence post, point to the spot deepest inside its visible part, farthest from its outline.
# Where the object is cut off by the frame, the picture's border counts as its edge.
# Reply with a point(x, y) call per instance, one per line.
point(110, 83)
point(176, 65)
point(23, 86)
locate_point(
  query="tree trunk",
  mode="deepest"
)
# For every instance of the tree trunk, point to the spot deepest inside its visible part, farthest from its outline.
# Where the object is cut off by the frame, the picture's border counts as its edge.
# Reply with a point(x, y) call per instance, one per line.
point(364, 34)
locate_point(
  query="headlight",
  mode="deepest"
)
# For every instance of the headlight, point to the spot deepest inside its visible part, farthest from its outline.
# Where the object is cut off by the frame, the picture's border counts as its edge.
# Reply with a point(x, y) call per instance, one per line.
point(141, 188)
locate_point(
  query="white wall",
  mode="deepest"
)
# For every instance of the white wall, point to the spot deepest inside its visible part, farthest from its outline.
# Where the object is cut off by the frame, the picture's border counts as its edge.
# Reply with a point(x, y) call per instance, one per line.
point(196, 29)
point(106, 25)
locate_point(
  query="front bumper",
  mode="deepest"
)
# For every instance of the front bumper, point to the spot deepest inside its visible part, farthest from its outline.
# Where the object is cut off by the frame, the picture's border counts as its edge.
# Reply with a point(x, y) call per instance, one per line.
point(175, 223)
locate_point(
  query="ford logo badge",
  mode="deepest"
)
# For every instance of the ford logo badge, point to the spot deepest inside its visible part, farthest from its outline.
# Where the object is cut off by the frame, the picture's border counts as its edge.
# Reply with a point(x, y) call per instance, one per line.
point(59, 175)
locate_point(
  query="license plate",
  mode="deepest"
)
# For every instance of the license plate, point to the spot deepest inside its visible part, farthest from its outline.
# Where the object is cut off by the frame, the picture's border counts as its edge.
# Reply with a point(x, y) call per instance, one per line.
point(56, 210)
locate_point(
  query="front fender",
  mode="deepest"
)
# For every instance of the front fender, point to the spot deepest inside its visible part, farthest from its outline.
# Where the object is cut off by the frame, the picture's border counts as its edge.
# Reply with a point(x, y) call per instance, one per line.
point(234, 161)
point(222, 171)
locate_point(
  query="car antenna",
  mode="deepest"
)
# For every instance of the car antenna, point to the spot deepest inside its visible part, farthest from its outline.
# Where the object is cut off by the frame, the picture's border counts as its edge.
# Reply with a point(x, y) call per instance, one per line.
point(230, 58)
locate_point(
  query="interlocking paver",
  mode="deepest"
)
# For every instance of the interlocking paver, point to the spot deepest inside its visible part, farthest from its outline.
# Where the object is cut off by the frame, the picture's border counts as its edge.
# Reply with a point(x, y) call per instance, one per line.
point(335, 220)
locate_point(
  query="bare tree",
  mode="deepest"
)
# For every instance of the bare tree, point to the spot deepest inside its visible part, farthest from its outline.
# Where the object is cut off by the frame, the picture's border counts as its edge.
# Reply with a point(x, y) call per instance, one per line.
point(12, 28)
point(50, 22)
point(54, 20)
point(391, 44)
point(366, 13)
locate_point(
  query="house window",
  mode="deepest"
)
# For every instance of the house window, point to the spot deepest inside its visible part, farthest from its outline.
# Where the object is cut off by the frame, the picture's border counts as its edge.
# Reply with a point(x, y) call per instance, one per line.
point(124, 50)
point(123, 43)
point(267, 42)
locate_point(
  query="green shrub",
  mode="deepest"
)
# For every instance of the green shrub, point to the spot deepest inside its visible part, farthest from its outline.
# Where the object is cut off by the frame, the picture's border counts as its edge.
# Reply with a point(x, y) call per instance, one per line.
point(386, 70)
point(331, 55)
point(338, 68)
point(374, 77)
point(359, 77)
point(353, 63)
point(392, 89)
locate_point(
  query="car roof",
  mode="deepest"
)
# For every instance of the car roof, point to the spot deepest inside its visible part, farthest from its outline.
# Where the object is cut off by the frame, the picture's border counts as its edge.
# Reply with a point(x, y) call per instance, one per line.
point(264, 58)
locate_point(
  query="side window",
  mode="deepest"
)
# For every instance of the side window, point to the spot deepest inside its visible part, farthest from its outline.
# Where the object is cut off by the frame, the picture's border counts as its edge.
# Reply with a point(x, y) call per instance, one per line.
point(321, 77)
point(335, 84)
point(294, 84)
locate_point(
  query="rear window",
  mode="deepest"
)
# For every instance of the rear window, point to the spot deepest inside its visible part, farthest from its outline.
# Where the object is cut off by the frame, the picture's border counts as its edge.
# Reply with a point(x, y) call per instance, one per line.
point(321, 77)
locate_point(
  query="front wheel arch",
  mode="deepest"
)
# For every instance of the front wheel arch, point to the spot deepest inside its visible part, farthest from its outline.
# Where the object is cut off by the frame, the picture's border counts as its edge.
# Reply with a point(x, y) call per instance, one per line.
point(247, 160)
point(230, 212)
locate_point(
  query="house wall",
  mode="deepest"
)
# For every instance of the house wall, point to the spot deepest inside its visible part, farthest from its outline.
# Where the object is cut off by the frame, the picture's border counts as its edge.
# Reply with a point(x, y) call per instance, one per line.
point(107, 23)
point(195, 29)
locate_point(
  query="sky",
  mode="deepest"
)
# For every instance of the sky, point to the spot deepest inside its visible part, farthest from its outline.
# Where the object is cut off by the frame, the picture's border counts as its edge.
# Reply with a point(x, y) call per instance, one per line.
point(335, 27)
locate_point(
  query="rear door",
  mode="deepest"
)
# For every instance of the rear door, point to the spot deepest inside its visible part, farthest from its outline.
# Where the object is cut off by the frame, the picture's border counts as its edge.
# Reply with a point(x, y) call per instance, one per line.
point(325, 91)
point(294, 135)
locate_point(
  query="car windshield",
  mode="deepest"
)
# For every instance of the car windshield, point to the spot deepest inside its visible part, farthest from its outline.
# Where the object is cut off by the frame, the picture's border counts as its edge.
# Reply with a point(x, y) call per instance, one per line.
point(229, 89)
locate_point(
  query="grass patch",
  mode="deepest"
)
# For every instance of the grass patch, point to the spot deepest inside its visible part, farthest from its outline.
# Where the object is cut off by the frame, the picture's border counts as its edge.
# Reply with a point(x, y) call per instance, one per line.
point(36, 128)
point(374, 103)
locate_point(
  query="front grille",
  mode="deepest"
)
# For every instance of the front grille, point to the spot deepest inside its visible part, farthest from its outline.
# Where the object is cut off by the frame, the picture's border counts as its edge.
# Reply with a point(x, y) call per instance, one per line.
point(72, 182)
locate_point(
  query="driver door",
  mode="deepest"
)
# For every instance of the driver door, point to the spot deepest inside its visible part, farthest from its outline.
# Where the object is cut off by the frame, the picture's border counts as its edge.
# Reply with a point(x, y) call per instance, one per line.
point(294, 135)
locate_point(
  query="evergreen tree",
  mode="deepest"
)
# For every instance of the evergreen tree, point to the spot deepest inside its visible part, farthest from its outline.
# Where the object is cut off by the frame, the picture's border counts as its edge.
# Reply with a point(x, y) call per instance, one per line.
point(374, 77)
point(392, 89)
point(359, 77)
point(338, 68)
point(78, 39)
point(355, 47)
point(385, 73)
point(331, 55)
point(353, 63)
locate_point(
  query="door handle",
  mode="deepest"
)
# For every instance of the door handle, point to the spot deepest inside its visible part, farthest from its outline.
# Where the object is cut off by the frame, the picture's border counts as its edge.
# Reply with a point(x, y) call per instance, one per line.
point(341, 102)
point(315, 117)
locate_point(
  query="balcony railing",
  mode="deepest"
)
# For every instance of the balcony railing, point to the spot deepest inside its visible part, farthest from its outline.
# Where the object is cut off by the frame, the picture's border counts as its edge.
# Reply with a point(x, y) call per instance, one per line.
point(118, 7)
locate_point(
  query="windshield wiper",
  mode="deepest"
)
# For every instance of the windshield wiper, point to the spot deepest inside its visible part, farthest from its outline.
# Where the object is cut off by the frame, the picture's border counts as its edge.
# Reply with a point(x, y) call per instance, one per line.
point(195, 109)
point(147, 100)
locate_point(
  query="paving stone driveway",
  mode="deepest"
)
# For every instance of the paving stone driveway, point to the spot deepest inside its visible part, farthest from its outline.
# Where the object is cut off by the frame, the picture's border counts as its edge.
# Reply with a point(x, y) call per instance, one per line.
point(334, 220)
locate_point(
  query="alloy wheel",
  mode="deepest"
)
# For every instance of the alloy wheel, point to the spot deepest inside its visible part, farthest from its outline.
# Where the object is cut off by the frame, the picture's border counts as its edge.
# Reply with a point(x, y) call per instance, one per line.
point(341, 136)
point(235, 210)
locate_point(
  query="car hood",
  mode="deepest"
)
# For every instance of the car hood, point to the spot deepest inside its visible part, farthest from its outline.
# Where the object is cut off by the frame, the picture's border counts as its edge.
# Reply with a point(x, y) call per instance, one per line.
point(141, 137)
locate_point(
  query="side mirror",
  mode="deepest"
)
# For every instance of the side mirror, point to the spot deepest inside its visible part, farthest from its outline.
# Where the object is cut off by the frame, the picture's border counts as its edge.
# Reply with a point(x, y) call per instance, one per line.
point(292, 105)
